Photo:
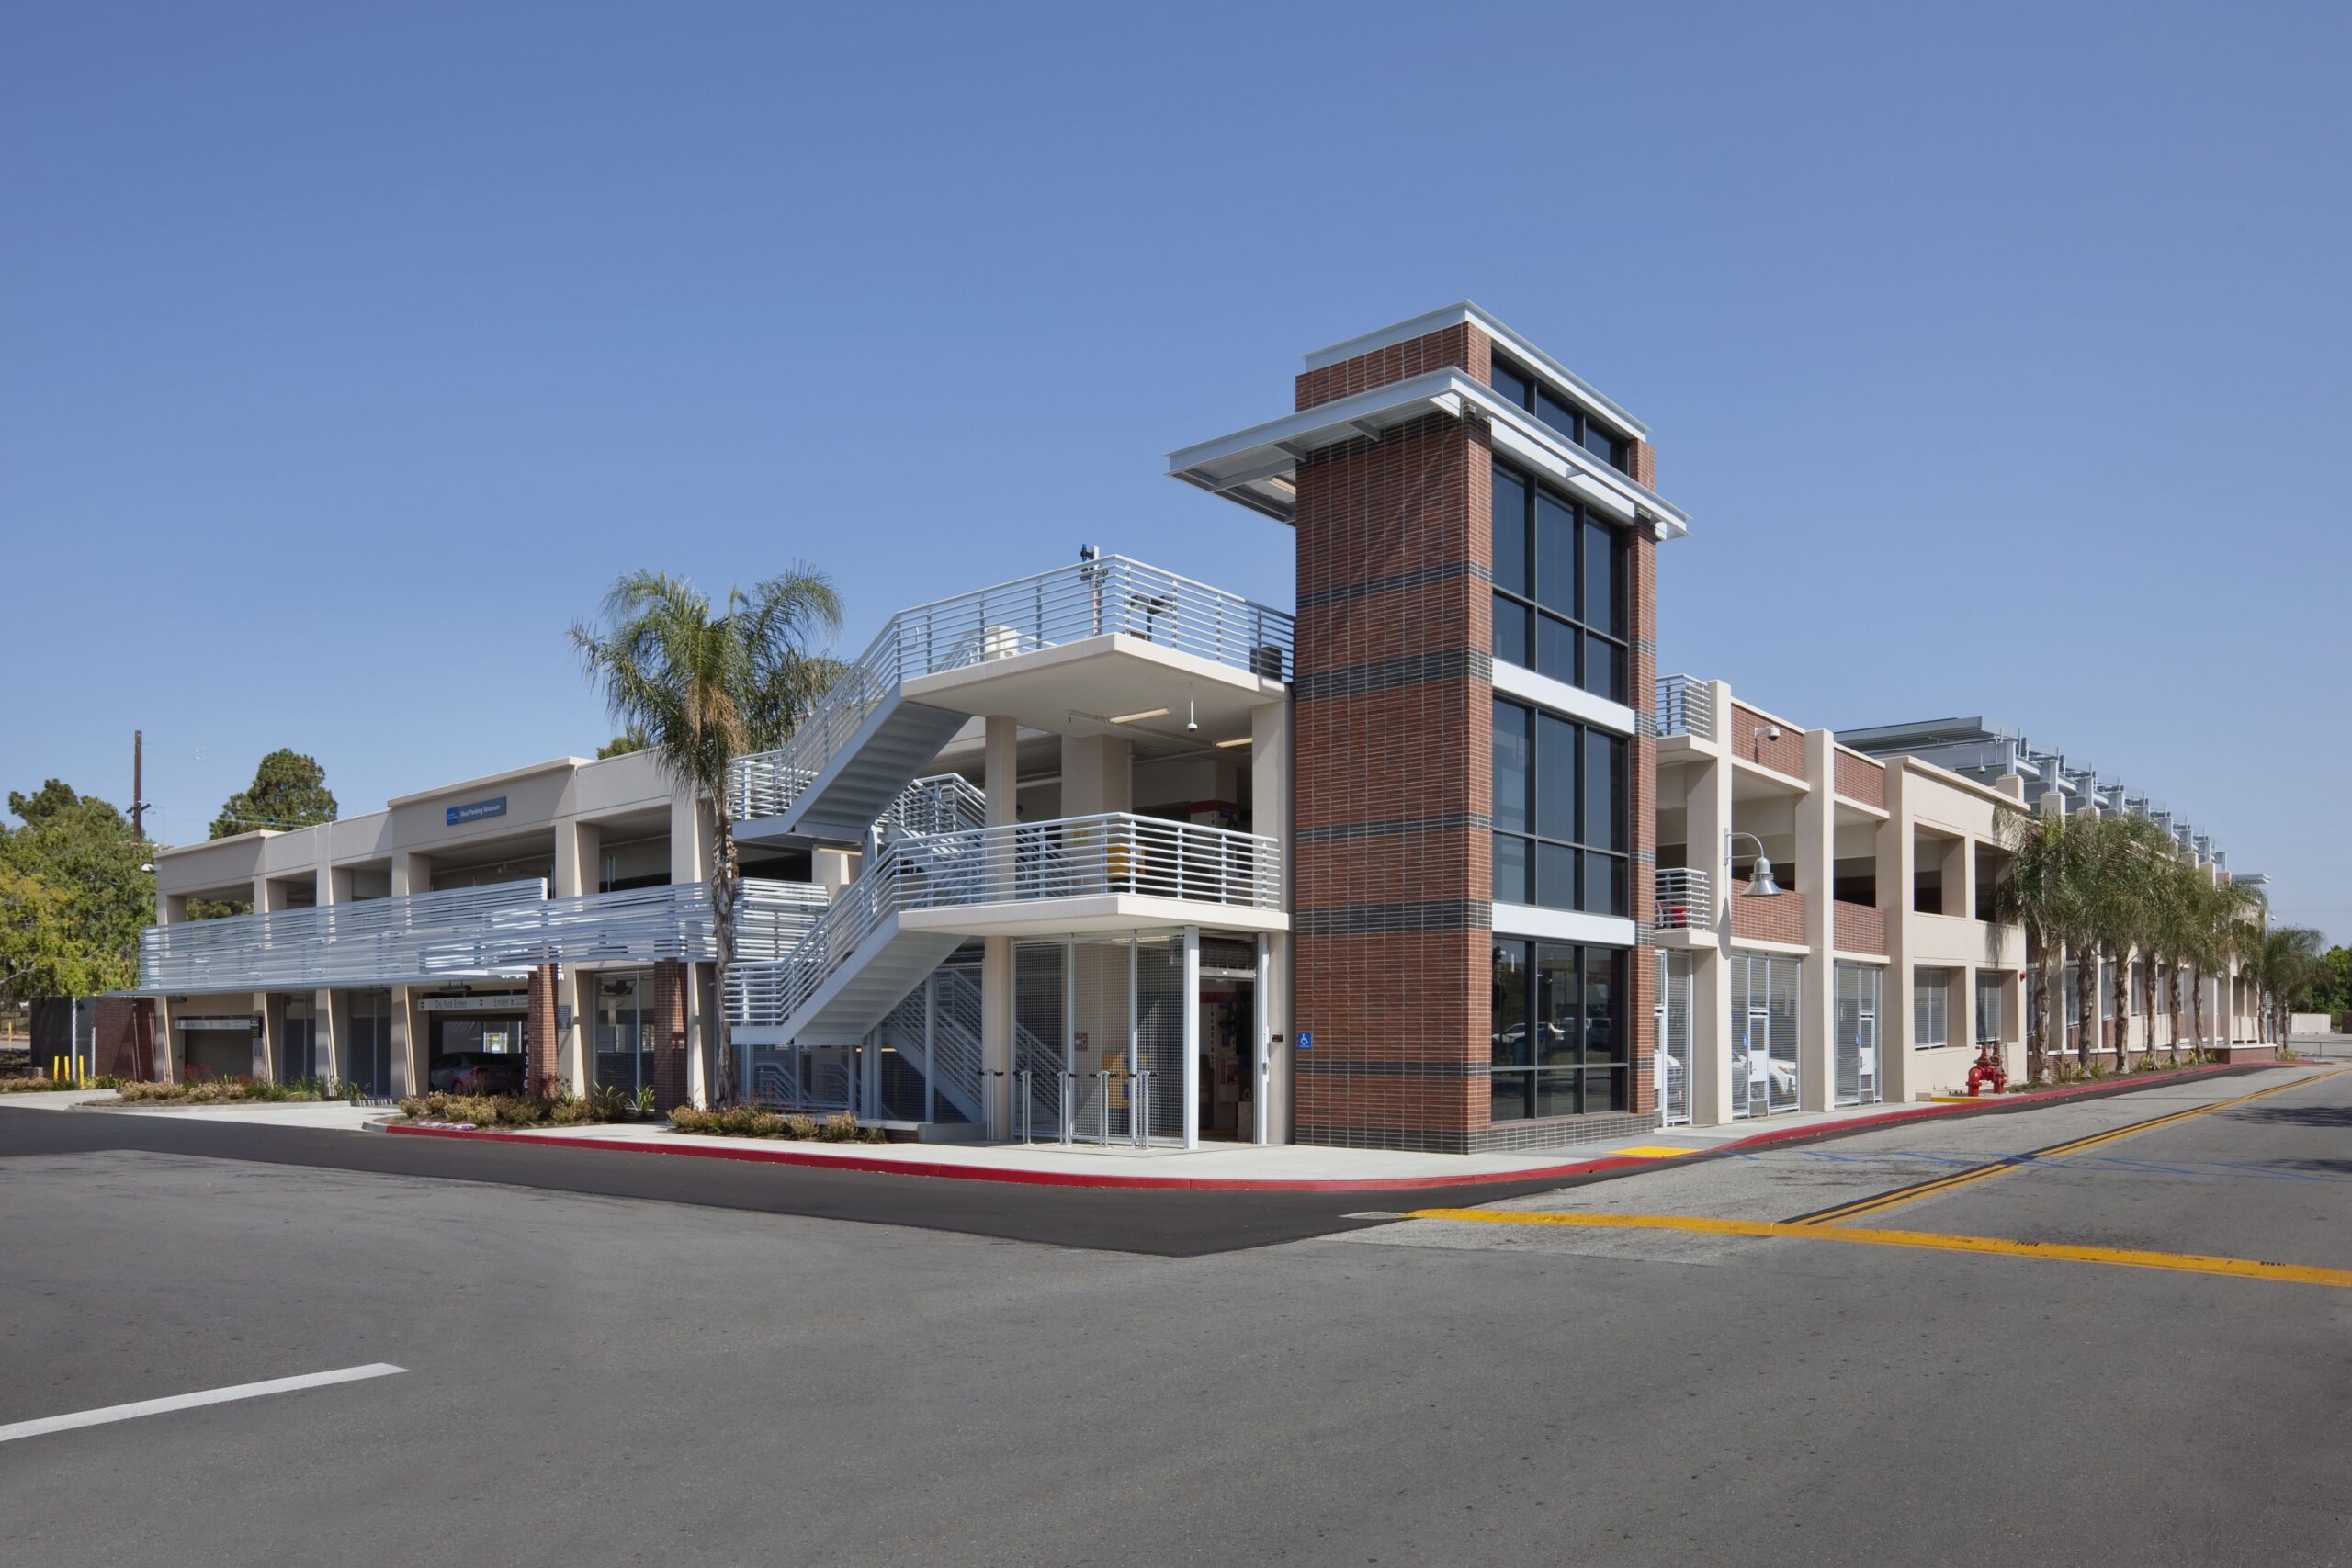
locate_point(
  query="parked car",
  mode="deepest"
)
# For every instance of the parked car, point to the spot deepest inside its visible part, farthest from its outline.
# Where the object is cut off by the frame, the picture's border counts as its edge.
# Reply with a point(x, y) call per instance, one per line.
point(476, 1072)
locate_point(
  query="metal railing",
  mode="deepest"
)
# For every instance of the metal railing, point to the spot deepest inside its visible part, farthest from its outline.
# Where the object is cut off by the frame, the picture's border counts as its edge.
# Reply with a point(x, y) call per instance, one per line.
point(500, 928)
point(1067, 604)
point(1686, 706)
point(943, 803)
point(1684, 901)
point(1114, 852)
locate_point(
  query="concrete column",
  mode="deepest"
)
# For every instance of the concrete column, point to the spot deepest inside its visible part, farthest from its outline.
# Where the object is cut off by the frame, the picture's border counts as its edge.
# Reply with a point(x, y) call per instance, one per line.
point(410, 1046)
point(1713, 1032)
point(703, 1071)
point(1192, 1004)
point(1097, 774)
point(575, 1053)
point(167, 1039)
point(1271, 793)
point(1896, 856)
point(579, 872)
point(271, 1010)
point(330, 1021)
point(1815, 874)
point(412, 873)
point(1001, 767)
point(833, 870)
point(691, 837)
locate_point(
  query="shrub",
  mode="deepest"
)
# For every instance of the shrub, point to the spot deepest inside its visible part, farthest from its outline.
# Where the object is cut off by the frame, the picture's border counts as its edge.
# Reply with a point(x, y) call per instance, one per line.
point(801, 1126)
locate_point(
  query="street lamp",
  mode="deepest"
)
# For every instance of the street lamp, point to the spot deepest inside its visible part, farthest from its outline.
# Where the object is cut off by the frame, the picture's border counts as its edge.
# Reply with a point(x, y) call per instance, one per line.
point(1759, 883)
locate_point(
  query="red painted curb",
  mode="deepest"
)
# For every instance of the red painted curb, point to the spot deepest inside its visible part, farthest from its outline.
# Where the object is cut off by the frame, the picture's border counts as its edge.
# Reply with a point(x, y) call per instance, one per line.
point(757, 1153)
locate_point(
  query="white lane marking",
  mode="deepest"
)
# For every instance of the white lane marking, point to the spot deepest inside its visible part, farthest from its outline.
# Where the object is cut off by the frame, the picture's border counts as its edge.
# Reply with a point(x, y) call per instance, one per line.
point(48, 1423)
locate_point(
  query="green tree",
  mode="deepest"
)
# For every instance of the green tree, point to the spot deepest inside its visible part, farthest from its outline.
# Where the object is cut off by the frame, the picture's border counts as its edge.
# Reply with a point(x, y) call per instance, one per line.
point(2286, 967)
point(73, 894)
point(2043, 893)
point(289, 790)
point(621, 745)
point(703, 688)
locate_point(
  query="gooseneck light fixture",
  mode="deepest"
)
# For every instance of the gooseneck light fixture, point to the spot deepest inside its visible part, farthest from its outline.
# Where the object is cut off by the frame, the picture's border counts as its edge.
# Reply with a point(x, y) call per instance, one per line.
point(1760, 883)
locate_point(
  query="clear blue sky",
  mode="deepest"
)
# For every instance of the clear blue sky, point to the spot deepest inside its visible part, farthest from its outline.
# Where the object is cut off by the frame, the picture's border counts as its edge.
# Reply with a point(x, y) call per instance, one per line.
point(346, 355)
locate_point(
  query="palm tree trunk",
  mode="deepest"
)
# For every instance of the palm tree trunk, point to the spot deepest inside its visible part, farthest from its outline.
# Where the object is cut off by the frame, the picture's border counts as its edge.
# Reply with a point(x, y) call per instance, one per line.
point(2086, 1007)
point(2037, 1018)
point(2196, 1004)
point(725, 885)
point(2121, 999)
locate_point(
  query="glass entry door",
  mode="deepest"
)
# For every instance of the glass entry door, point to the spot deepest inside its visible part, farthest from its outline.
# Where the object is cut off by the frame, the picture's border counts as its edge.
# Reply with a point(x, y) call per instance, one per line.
point(1764, 1033)
point(1860, 992)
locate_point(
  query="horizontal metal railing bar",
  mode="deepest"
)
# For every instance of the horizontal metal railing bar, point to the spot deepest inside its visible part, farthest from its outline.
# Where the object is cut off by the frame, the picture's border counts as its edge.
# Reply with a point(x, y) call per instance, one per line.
point(1683, 898)
point(1111, 852)
point(500, 927)
point(1113, 594)
point(1685, 705)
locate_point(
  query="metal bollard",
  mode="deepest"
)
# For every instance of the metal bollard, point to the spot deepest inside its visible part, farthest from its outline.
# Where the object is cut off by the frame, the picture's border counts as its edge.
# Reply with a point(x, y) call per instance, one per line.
point(1069, 1100)
point(1139, 1118)
point(1105, 1077)
point(1021, 1109)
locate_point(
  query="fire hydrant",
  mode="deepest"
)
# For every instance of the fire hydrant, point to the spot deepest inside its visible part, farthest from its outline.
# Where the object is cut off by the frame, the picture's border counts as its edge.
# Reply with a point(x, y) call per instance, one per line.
point(1987, 1070)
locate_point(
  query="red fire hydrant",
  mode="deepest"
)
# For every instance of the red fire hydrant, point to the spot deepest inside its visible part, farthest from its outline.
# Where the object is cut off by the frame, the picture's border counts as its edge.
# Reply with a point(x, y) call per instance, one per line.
point(1987, 1070)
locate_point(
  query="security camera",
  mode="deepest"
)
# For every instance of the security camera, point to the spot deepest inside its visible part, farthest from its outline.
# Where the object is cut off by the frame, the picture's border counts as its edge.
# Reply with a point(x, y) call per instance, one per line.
point(1772, 732)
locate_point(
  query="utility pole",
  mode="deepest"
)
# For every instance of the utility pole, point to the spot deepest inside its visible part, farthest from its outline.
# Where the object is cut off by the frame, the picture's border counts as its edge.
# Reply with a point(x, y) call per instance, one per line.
point(138, 784)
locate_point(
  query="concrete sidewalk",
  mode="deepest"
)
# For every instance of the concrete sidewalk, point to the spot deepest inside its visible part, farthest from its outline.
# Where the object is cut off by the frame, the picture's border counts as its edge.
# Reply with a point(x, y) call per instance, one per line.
point(330, 1113)
point(1292, 1168)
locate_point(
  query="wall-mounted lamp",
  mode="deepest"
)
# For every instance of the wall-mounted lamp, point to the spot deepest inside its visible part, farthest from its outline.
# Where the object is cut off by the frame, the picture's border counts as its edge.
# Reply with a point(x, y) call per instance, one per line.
point(1760, 883)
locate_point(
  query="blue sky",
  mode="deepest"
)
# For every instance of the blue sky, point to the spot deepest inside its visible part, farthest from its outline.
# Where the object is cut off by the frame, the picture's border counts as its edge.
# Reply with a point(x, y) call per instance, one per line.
point(347, 354)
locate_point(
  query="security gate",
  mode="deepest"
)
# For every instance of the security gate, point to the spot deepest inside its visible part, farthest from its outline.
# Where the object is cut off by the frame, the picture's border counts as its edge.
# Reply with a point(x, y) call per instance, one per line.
point(1764, 1033)
point(1860, 992)
point(1673, 1065)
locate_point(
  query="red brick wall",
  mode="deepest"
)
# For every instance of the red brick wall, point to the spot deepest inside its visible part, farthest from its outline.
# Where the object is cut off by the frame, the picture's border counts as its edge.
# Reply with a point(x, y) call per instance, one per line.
point(1395, 792)
point(1858, 928)
point(1858, 778)
point(668, 1035)
point(1777, 919)
point(1785, 755)
point(1393, 702)
point(1462, 346)
point(124, 1041)
point(539, 1038)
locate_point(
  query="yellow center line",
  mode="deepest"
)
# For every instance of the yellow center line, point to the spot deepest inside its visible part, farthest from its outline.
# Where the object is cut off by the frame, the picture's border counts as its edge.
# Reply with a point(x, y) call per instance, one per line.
point(2178, 1262)
point(1861, 1206)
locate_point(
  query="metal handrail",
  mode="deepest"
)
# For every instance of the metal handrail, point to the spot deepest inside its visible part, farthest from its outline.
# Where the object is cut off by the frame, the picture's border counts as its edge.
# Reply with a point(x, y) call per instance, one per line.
point(1110, 853)
point(1686, 706)
point(1067, 605)
point(500, 927)
point(1684, 900)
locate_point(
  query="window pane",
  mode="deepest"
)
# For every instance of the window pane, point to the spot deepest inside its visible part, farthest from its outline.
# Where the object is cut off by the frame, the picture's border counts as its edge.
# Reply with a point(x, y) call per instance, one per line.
point(1601, 580)
point(1556, 554)
point(1603, 1040)
point(1509, 384)
point(1604, 446)
point(1510, 531)
point(1510, 1096)
point(1555, 875)
point(1510, 869)
point(1560, 416)
point(1604, 793)
point(1556, 1093)
point(1605, 885)
point(1514, 767)
point(1555, 648)
point(1556, 1007)
point(1604, 1089)
point(1511, 1047)
point(1556, 777)
point(1604, 669)
point(1512, 619)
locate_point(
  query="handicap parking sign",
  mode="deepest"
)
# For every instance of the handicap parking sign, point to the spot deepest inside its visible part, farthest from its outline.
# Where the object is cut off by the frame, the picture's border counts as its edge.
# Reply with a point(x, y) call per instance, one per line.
point(1305, 1040)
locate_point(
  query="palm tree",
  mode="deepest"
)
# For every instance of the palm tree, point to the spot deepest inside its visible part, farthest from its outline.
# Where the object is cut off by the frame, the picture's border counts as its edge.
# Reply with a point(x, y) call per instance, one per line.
point(2039, 894)
point(702, 689)
point(2219, 913)
point(2123, 862)
point(2284, 968)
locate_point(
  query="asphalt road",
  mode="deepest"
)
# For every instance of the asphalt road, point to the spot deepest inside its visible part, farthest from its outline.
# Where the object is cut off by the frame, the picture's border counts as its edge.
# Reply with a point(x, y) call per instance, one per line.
point(599, 1376)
